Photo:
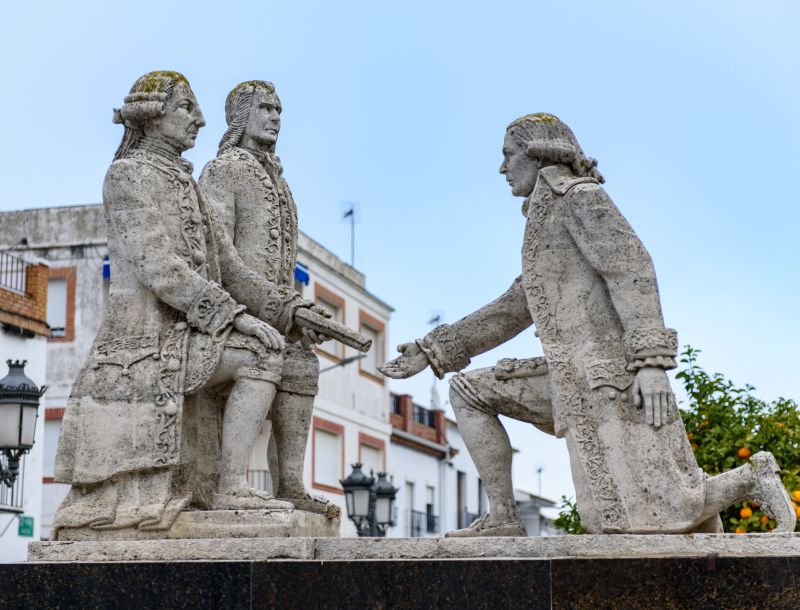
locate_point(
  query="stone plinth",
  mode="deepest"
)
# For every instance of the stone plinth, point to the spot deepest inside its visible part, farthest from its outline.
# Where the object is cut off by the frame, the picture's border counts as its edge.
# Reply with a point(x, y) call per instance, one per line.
point(346, 549)
point(215, 524)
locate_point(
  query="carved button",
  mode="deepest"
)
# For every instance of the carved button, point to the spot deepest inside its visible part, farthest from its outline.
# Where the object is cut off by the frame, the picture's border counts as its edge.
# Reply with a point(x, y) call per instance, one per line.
point(171, 408)
point(274, 233)
point(624, 397)
point(611, 394)
point(174, 365)
point(180, 326)
point(198, 257)
point(197, 218)
point(125, 372)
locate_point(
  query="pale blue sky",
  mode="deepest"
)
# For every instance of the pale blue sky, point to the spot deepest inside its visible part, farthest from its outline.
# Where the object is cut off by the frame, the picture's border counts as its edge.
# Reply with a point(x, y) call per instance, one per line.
point(690, 108)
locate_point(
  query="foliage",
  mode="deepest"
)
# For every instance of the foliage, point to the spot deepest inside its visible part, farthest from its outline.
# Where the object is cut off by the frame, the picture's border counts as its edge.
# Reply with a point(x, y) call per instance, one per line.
point(725, 425)
point(569, 521)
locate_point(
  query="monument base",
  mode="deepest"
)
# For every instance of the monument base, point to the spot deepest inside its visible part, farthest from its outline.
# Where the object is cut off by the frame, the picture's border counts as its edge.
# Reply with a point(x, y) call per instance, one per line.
point(699, 571)
point(215, 524)
point(346, 549)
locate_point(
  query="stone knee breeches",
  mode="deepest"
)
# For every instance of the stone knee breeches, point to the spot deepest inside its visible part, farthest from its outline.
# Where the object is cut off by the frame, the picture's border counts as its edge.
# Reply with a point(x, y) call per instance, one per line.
point(524, 398)
point(300, 372)
point(246, 356)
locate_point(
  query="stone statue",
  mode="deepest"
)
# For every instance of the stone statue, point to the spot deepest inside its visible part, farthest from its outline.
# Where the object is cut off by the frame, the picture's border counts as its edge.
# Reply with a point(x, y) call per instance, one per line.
point(589, 287)
point(245, 187)
point(164, 414)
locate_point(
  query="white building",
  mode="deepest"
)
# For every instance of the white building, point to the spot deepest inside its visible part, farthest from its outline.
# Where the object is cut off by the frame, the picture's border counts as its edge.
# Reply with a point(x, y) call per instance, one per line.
point(351, 415)
point(23, 336)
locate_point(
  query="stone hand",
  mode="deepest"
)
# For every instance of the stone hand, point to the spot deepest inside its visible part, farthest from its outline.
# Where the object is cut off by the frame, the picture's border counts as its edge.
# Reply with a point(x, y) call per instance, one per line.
point(248, 325)
point(411, 361)
point(651, 389)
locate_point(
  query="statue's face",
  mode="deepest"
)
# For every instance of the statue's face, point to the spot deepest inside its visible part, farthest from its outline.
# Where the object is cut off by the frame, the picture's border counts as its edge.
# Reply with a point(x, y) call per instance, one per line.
point(182, 120)
point(264, 122)
point(519, 169)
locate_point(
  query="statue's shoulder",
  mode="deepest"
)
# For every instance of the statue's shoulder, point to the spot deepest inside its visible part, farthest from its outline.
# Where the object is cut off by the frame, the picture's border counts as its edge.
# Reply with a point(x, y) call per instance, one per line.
point(130, 175)
point(233, 164)
point(562, 180)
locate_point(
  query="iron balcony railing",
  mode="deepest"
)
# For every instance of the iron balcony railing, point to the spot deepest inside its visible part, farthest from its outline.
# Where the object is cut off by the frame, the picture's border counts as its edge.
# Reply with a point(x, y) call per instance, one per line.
point(424, 416)
point(465, 518)
point(416, 523)
point(11, 497)
point(13, 273)
point(260, 480)
point(432, 523)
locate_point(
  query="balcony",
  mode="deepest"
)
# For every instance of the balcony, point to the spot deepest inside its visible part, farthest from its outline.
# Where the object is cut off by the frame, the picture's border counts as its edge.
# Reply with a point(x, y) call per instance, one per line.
point(417, 421)
point(465, 518)
point(13, 273)
point(421, 523)
point(260, 480)
point(11, 497)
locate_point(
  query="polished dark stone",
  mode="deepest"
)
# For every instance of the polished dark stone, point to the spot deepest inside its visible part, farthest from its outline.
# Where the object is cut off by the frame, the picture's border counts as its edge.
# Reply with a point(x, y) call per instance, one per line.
point(741, 582)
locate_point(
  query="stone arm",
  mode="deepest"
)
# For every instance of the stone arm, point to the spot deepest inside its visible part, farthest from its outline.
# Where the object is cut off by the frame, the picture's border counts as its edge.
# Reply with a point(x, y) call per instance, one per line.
point(615, 252)
point(275, 305)
point(449, 347)
point(135, 220)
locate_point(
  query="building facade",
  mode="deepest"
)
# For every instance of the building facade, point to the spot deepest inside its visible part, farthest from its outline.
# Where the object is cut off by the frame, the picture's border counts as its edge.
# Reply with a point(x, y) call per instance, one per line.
point(351, 414)
point(23, 336)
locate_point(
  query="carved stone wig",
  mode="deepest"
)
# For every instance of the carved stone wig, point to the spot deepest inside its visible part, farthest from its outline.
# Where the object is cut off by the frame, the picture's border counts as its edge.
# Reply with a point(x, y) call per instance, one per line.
point(146, 101)
point(549, 139)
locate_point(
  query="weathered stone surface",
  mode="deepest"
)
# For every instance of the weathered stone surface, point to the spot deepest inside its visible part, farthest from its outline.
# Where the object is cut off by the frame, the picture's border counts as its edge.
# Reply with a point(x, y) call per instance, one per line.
point(210, 524)
point(589, 287)
point(345, 549)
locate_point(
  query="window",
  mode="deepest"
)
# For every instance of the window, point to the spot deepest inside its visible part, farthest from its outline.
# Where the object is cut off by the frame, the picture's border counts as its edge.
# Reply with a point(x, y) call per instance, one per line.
point(327, 455)
point(333, 350)
point(374, 329)
point(57, 307)
point(61, 303)
point(371, 453)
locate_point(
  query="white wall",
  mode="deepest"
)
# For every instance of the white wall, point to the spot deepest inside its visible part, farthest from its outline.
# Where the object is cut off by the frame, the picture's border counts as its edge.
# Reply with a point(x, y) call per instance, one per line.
point(12, 546)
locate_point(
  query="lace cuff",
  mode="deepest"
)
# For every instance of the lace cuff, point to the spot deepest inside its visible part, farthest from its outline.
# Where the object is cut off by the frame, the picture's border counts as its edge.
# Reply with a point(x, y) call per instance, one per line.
point(279, 308)
point(651, 341)
point(663, 362)
point(212, 310)
point(444, 350)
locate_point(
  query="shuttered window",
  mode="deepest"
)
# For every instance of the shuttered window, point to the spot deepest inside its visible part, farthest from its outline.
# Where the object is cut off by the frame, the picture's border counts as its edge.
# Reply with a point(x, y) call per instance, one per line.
point(57, 306)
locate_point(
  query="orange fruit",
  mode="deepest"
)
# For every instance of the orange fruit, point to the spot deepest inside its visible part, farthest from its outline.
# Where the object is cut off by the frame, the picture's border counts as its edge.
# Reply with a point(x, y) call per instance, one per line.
point(741, 530)
point(746, 513)
point(764, 519)
point(797, 511)
point(743, 453)
point(796, 494)
point(690, 436)
point(779, 424)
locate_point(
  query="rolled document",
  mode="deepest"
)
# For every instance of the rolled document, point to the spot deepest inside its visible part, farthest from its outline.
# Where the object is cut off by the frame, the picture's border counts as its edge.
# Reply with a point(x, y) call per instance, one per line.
point(305, 318)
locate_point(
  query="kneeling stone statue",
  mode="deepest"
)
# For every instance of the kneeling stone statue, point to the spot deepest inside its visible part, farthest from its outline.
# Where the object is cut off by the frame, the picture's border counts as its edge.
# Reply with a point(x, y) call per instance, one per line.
point(589, 287)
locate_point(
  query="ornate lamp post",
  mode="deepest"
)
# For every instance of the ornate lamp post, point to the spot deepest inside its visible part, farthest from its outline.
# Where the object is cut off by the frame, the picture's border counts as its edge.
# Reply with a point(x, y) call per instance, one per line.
point(19, 407)
point(370, 503)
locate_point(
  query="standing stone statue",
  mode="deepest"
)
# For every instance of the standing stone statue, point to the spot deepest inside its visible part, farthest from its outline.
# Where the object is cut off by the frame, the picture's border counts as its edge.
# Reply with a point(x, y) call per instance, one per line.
point(589, 287)
point(176, 354)
point(245, 187)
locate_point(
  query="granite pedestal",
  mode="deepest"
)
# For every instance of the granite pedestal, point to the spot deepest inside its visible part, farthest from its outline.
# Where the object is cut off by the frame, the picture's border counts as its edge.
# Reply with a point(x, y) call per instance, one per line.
point(692, 571)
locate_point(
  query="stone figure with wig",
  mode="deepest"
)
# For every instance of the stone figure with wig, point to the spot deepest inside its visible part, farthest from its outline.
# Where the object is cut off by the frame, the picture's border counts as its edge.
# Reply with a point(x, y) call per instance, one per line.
point(244, 186)
point(589, 287)
point(164, 414)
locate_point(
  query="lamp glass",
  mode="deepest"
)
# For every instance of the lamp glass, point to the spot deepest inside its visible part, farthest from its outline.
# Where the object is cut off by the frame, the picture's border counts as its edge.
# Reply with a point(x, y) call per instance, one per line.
point(383, 509)
point(361, 502)
point(9, 425)
point(348, 498)
point(29, 413)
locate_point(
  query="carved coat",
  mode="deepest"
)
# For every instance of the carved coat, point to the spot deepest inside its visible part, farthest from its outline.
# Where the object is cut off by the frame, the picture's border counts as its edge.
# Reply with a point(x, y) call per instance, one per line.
point(257, 209)
point(589, 287)
point(166, 322)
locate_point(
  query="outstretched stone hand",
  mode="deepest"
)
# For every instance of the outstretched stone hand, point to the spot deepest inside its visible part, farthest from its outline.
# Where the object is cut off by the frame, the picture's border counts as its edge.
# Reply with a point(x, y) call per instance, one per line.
point(651, 389)
point(248, 325)
point(411, 361)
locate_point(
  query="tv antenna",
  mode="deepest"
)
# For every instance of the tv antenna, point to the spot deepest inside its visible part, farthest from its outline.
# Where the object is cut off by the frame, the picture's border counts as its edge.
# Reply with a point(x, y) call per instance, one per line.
point(350, 211)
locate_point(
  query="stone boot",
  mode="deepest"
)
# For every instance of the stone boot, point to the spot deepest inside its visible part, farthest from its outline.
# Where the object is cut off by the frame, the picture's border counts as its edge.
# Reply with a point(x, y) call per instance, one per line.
point(248, 499)
point(314, 503)
point(769, 492)
point(487, 525)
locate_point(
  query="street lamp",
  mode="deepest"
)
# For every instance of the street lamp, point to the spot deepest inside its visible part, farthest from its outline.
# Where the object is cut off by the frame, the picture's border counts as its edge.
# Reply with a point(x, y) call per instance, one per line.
point(19, 406)
point(370, 503)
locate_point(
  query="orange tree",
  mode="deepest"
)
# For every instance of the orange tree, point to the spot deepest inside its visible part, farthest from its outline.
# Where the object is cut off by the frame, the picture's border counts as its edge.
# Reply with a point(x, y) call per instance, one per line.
point(726, 424)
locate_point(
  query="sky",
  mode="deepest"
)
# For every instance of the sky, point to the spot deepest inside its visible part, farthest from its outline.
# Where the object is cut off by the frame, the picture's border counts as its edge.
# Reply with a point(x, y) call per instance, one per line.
point(690, 107)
